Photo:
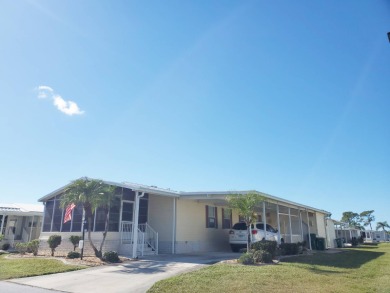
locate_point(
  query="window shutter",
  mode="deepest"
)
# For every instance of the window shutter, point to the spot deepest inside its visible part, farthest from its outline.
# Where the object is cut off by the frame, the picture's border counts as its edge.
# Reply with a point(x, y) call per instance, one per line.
point(216, 218)
point(207, 216)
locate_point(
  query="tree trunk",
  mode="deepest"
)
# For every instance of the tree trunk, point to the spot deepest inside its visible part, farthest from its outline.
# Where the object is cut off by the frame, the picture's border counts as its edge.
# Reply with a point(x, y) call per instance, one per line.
point(88, 212)
point(248, 243)
point(107, 211)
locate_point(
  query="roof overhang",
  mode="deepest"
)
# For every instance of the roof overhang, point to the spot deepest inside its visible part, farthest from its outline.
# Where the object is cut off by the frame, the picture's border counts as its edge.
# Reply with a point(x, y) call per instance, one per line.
point(132, 186)
point(218, 198)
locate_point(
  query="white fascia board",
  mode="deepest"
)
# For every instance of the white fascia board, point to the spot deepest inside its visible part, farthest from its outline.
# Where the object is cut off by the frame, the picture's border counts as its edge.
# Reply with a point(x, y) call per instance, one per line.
point(222, 194)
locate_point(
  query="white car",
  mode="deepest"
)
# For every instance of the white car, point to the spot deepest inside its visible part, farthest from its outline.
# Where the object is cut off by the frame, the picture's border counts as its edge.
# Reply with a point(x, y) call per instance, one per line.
point(238, 235)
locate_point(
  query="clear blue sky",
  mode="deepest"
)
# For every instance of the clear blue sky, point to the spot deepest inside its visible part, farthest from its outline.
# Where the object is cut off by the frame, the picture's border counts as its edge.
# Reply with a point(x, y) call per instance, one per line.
point(291, 98)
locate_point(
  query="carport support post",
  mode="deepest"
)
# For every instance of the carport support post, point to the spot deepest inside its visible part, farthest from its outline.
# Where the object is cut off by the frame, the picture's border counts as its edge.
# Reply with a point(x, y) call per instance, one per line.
point(308, 228)
point(300, 221)
point(32, 224)
point(289, 222)
point(277, 218)
point(2, 224)
point(264, 221)
point(138, 194)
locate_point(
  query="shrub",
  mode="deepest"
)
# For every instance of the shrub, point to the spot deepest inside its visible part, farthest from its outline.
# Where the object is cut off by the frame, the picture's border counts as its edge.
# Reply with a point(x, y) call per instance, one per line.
point(73, 254)
point(301, 246)
point(33, 246)
point(21, 247)
point(262, 256)
point(246, 258)
point(5, 246)
point(111, 256)
point(289, 248)
point(266, 245)
point(75, 241)
point(1, 237)
point(354, 241)
point(54, 241)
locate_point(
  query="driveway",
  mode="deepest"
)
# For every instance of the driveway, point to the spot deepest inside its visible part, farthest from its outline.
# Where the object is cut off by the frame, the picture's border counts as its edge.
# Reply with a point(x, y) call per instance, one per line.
point(132, 276)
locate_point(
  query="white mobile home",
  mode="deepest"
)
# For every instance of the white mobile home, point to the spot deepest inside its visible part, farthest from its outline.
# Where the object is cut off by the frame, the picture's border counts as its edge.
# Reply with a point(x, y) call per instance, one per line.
point(20, 222)
point(173, 222)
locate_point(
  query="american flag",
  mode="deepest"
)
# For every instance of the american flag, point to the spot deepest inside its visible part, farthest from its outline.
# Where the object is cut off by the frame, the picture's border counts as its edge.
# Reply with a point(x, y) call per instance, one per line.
point(68, 212)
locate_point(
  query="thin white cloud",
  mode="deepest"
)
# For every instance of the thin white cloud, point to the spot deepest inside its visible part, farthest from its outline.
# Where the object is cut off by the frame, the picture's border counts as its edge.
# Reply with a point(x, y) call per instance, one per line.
point(67, 107)
point(44, 91)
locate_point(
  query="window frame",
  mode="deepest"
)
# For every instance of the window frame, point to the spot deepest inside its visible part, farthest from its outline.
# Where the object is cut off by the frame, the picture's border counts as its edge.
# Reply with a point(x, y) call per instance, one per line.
point(211, 221)
point(227, 221)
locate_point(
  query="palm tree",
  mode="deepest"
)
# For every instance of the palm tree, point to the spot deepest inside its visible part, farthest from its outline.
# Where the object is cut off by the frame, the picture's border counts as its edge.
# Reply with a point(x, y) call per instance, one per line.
point(91, 194)
point(367, 217)
point(382, 225)
point(246, 205)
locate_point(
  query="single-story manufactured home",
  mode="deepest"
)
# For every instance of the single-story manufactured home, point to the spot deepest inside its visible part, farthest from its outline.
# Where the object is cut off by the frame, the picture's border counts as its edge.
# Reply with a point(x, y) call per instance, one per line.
point(345, 232)
point(370, 236)
point(20, 222)
point(174, 222)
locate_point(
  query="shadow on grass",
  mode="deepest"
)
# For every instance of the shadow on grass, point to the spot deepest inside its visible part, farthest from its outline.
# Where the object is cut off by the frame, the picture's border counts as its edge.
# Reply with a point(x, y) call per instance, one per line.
point(350, 259)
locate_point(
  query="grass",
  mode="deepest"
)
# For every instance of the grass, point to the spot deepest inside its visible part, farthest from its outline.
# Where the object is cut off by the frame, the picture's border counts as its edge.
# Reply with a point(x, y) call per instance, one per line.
point(363, 269)
point(27, 267)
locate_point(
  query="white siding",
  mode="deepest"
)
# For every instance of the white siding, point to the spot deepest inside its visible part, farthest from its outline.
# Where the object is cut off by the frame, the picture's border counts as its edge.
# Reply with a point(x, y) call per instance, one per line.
point(192, 234)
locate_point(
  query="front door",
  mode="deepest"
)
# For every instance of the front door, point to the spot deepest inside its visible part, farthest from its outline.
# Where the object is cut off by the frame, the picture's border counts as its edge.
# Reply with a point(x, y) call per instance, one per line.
point(127, 211)
point(127, 219)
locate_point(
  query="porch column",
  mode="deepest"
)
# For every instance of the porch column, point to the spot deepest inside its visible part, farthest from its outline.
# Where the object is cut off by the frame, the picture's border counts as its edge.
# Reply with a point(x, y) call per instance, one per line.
point(278, 221)
point(308, 228)
point(289, 222)
point(264, 221)
point(32, 224)
point(301, 226)
point(138, 195)
point(2, 224)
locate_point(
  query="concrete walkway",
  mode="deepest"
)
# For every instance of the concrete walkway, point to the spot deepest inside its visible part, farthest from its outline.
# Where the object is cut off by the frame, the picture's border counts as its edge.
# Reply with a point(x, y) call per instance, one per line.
point(132, 276)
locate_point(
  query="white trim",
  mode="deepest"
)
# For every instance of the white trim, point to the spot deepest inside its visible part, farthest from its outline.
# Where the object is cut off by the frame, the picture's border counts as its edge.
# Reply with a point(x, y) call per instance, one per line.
point(138, 194)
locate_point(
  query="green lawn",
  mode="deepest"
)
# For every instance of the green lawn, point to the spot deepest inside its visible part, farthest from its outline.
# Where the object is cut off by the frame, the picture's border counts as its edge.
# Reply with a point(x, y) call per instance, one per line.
point(27, 267)
point(365, 269)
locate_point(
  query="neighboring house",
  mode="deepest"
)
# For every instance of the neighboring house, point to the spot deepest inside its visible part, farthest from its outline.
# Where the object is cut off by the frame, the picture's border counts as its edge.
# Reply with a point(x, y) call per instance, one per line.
point(345, 232)
point(172, 222)
point(20, 222)
point(375, 236)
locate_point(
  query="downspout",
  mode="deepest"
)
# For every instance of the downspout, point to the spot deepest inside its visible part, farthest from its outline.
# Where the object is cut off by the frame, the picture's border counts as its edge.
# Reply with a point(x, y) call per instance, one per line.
point(174, 226)
point(138, 194)
point(326, 232)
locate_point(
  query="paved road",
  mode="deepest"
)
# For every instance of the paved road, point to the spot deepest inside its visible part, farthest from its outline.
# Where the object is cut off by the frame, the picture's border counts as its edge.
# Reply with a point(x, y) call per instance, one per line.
point(132, 276)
